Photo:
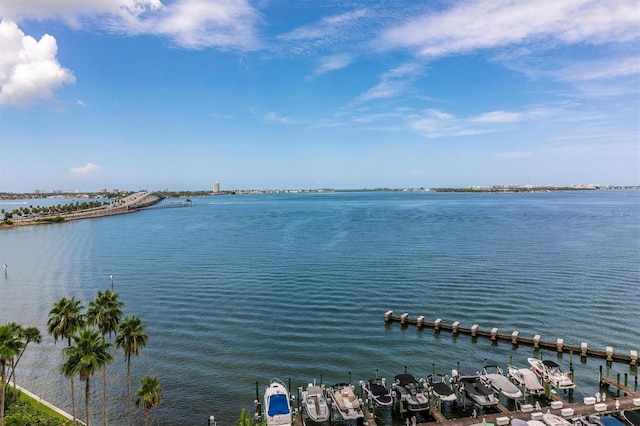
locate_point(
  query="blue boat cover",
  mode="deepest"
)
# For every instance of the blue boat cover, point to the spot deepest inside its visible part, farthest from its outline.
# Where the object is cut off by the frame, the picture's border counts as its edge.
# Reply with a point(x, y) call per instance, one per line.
point(278, 405)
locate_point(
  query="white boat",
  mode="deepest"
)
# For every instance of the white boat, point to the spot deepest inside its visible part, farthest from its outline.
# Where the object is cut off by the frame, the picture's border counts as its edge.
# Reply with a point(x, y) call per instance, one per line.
point(377, 391)
point(492, 376)
point(551, 419)
point(410, 393)
point(591, 420)
point(277, 405)
point(437, 384)
point(519, 422)
point(526, 378)
point(551, 372)
point(315, 403)
point(346, 402)
point(469, 382)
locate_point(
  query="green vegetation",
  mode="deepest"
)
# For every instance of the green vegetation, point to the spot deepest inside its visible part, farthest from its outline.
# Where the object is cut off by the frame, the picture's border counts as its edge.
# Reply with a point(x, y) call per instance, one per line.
point(57, 219)
point(87, 352)
point(25, 410)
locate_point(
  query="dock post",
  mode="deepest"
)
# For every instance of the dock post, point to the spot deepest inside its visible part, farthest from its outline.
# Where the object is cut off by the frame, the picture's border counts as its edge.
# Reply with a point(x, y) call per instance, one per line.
point(349, 382)
point(321, 380)
point(299, 393)
point(618, 379)
point(559, 344)
point(433, 370)
point(474, 330)
point(609, 352)
point(494, 334)
point(536, 341)
point(633, 356)
point(514, 337)
point(583, 349)
point(420, 320)
point(387, 316)
point(454, 329)
point(626, 379)
point(403, 318)
point(436, 324)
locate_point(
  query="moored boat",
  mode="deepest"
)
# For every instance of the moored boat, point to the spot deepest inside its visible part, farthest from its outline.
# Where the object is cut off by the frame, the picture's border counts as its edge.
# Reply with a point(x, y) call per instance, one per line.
point(550, 371)
point(492, 377)
point(632, 416)
point(527, 379)
point(469, 381)
point(410, 393)
point(277, 405)
point(346, 402)
point(551, 419)
point(611, 421)
point(377, 391)
point(315, 403)
point(437, 384)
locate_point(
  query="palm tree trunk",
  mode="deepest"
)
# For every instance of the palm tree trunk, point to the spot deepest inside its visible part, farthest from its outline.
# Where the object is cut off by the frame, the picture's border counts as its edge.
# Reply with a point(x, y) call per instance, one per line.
point(87, 393)
point(146, 416)
point(73, 402)
point(105, 418)
point(2, 374)
point(73, 392)
point(129, 390)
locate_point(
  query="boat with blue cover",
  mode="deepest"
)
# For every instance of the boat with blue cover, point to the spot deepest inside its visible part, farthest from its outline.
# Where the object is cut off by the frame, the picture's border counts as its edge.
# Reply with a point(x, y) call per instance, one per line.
point(277, 404)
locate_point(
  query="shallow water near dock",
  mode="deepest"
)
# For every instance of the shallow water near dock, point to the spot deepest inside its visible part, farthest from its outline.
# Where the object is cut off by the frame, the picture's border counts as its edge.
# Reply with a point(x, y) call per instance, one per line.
point(240, 289)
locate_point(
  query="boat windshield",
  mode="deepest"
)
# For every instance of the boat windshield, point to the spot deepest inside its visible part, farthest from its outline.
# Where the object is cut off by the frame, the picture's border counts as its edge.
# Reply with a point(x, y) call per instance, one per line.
point(278, 404)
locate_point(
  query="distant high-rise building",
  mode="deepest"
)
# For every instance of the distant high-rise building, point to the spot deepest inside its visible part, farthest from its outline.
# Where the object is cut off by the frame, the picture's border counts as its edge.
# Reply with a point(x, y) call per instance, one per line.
point(216, 186)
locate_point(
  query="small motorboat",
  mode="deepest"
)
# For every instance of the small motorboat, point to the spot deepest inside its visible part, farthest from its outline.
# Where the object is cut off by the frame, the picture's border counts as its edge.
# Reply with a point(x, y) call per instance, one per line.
point(492, 377)
point(469, 381)
point(591, 420)
point(551, 419)
point(519, 422)
point(611, 421)
point(410, 393)
point(632, 416)
point(346, 402)
point(377, 391)
point(277, 405)
point(526, 378)
point(437, 384)
point(315, 403)
point(551, 372)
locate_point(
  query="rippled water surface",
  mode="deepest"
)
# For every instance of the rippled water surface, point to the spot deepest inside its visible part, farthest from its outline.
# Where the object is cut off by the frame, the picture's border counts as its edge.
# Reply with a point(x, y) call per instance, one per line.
point(239, 289)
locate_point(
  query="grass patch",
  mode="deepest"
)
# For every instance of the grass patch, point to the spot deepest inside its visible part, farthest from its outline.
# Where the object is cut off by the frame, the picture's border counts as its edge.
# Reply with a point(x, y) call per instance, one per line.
point(28, 411)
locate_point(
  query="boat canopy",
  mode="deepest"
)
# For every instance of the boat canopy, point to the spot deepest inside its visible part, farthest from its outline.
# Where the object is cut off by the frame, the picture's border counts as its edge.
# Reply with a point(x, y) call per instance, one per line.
point(278, 405)
point(550, 364)
point(405, 379)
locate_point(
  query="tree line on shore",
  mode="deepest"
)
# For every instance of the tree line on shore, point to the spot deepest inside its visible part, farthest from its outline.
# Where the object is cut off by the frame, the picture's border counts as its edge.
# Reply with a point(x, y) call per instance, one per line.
point(90, 338)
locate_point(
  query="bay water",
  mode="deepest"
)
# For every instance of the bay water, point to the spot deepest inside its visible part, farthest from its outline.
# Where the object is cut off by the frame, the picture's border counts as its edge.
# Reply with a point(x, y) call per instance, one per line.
point(237, 290)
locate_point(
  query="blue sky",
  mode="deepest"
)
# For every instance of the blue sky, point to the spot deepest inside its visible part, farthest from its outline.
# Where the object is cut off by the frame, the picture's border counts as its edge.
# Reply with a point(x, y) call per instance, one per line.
point(143, 94)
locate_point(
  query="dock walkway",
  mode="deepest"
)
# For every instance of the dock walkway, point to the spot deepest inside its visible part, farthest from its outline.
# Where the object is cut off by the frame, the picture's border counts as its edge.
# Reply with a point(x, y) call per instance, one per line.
point(631, 402)
point(515, 339)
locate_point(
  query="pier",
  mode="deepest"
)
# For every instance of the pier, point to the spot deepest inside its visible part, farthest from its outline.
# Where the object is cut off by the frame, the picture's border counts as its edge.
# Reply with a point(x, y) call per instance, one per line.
point(515, 339)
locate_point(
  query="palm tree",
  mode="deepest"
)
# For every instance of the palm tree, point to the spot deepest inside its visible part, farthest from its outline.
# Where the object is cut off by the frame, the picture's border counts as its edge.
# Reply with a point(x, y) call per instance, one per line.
point(149, 395)
point(27, 335)
point(130, 339)
point(87, 355)
point(65, 318)
point(105, 313)
point(10, 347)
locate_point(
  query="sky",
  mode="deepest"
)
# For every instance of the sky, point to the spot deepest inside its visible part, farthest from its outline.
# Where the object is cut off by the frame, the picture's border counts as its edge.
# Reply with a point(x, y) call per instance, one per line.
point(309, 94)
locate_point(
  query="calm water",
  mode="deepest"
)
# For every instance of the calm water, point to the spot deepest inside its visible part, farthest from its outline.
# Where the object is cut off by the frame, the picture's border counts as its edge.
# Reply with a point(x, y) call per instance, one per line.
point(240, 289)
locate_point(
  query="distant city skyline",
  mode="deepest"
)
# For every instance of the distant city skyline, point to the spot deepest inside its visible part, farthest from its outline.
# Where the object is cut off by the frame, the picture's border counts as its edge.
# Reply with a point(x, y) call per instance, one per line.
point(134, 94)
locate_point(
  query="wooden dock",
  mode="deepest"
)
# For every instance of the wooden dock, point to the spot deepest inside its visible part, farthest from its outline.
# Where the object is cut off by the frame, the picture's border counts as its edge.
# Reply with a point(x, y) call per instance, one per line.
point(515, 339)
point(567, 411)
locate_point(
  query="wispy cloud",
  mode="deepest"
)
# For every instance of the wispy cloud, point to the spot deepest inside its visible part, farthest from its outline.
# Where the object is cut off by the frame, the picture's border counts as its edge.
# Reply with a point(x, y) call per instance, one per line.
point(86, 170)
point(470, 26)
point(192, 24)
point(332, 63)
point(393, 82)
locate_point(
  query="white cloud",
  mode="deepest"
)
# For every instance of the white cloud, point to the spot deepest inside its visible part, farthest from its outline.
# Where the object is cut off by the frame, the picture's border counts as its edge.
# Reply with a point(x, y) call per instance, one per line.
point(86, 170)
point(498, 117)
point(225, 24)
point(483, 25)
point(29, 70)
point(333, 63)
